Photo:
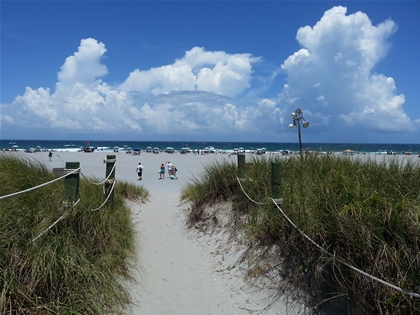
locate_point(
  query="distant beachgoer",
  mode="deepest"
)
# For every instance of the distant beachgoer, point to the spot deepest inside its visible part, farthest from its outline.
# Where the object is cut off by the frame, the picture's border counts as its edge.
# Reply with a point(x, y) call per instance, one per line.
point(169, 165)
point(174, 170)
point(162, 171)
point(139, 171)
point(50, 154)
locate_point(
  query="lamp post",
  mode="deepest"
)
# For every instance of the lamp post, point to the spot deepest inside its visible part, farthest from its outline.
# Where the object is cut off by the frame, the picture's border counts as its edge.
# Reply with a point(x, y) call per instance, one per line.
point(297, 117)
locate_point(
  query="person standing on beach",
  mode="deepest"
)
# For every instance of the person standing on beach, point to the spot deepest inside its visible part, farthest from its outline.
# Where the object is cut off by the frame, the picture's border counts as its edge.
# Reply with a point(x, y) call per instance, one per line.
point(162, 171)
point(174, 170)
point(50, 155)
point(139, 171)
point(169, 165)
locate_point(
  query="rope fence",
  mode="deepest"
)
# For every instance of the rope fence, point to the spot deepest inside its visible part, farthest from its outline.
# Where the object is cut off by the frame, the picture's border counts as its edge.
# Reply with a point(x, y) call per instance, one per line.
point(56, 221)
point(102, 182)
point(72, 189)
point(412, 294)
point(39, 186)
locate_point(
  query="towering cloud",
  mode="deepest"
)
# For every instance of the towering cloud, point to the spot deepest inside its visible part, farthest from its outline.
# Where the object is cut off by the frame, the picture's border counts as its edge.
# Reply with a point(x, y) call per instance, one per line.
point(331, 75)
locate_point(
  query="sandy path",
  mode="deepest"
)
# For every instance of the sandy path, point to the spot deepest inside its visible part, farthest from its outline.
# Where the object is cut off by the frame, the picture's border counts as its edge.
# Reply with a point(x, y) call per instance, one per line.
point(182, 275)
point(180, 271)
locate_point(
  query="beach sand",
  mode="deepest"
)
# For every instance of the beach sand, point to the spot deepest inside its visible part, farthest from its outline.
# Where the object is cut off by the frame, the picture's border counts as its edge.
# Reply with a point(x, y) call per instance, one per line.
point(180, 271)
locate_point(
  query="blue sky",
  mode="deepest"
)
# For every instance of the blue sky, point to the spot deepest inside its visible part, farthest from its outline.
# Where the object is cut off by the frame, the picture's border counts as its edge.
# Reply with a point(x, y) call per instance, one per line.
point(210, 70)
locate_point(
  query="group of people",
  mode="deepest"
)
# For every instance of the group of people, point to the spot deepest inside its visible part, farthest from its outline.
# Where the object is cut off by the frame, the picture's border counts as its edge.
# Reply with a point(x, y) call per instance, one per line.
point(171, 171)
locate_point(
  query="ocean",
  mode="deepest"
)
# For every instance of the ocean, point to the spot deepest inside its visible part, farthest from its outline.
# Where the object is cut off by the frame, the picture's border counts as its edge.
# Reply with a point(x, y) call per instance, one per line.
point(108, 146)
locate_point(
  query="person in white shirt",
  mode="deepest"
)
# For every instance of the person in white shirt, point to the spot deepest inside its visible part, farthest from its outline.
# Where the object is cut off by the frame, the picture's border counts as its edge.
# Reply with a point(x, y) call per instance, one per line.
point(169, 166)
point(139, 171)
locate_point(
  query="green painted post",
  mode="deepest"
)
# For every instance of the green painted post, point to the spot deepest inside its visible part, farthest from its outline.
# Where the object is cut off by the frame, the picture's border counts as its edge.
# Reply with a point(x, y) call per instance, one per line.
point(241, 175)
point(71, 183)
point(276, 182)
point(110, 171)
point(241, 166)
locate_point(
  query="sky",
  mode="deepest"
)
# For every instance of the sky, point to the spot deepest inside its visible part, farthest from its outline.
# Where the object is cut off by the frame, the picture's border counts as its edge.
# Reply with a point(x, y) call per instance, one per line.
point(210, 70)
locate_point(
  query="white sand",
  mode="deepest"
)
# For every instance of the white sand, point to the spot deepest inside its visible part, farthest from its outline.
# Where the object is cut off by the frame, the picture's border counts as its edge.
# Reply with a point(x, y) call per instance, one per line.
point(183, 271)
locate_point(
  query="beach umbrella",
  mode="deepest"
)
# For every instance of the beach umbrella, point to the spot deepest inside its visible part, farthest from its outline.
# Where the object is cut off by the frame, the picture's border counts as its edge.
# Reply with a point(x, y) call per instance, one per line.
point(348, 151)
point(15, 146)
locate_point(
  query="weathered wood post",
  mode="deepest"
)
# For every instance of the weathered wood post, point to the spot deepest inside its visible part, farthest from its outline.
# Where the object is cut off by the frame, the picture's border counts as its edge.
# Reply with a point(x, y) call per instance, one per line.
point(71, 183)
point(276, 182)
point(110, 171)
point(241, 176)
point(241, 166)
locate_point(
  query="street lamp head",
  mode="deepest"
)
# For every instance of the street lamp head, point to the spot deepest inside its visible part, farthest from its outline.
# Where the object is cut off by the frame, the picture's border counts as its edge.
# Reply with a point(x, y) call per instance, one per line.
point(293, 116)
point(292, 126)
point(305, 124)
point(298, 111)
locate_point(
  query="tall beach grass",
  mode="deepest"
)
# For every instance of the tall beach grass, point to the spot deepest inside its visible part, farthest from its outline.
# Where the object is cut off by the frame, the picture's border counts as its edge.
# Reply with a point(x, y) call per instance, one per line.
point(77, 266)
point(364, 212)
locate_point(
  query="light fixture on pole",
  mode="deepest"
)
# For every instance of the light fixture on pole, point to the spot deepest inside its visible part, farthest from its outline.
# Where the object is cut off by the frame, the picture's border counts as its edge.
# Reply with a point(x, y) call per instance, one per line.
point(297, 117)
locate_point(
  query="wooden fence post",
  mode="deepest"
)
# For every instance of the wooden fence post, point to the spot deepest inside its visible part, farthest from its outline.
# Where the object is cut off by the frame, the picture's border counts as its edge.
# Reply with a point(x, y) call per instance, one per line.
point(276, 182)
point(241, 166)
point(236, 202)
point(71, 183)
point(110, 171)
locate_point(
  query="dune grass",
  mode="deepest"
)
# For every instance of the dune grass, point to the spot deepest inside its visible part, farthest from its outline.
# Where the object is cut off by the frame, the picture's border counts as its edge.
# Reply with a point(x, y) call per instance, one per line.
point(364, 212)
point(77, 266)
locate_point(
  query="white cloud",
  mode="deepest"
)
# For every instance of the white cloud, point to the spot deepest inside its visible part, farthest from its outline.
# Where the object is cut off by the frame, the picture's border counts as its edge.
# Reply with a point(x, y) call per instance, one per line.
point(190, 96)
point(331, 75)
point(207, 93)
point(199, 70)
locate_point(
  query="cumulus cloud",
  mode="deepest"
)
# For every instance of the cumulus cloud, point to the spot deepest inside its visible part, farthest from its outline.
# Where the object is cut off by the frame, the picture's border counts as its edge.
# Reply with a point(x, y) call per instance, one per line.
point(206, 94)
point(332, 74)
point(192, 96)
point(199, 70)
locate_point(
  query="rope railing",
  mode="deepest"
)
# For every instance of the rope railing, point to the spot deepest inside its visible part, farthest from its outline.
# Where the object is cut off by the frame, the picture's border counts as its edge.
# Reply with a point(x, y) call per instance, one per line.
point(107, 181)
point(413, 294)
point(243, 190)
point(56, 221)
point(102, 182)
point(107, 197)
point(39, 186)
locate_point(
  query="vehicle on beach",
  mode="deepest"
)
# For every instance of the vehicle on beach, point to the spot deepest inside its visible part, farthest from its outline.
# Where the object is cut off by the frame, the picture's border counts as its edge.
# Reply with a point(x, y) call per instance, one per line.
point(88, 149)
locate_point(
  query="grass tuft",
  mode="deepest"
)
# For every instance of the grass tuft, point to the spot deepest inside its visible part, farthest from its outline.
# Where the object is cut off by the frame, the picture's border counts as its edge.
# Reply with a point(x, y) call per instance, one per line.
point(363, 211)
point(76, 267)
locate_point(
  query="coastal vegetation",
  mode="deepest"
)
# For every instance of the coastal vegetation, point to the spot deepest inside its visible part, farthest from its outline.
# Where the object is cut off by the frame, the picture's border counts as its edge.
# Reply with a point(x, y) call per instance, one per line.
point(354, 222)
point(78, 265)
